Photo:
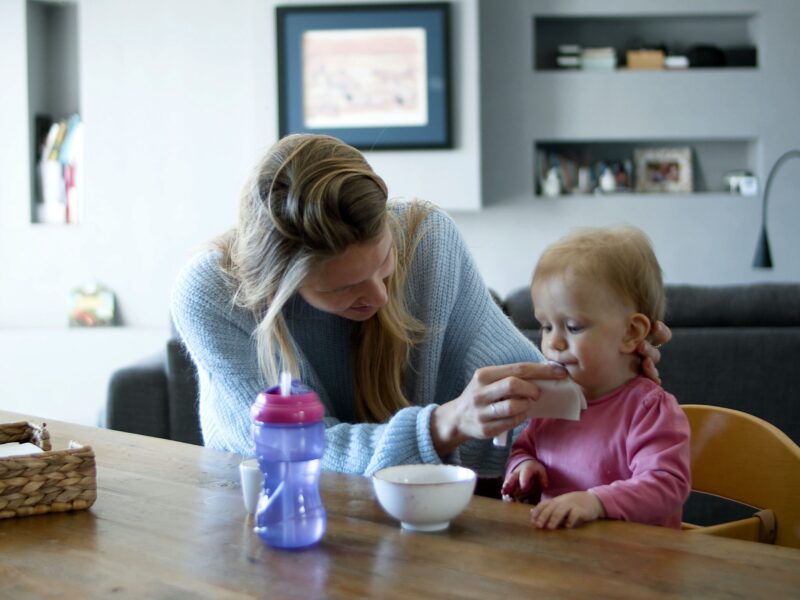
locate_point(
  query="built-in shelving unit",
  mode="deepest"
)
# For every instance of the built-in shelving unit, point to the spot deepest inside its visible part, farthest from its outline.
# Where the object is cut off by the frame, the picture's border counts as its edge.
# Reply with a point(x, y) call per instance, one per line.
point(533, 111)
point(54, 104)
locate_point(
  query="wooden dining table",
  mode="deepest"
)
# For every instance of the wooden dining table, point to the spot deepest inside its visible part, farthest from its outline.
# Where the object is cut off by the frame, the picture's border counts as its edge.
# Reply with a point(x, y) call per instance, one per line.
point(169, 522)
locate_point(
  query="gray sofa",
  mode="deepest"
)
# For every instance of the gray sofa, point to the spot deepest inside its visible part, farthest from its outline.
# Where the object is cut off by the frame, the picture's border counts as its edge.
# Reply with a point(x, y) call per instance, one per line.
point(734, 346)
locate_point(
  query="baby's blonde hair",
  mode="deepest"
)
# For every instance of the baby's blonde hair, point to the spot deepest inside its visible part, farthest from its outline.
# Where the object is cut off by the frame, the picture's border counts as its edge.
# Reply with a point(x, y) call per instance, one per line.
point(621, 257)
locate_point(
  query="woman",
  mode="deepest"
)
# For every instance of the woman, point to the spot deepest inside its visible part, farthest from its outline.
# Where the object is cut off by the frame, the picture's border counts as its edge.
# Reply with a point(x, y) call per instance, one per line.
point(376, 306)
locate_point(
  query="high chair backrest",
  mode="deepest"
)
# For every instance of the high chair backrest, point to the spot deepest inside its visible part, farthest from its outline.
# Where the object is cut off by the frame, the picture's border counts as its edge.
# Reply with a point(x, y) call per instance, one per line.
point(740, 457)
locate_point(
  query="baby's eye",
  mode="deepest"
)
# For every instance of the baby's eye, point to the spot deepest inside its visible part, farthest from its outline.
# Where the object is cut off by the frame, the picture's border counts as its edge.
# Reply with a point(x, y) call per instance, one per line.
point(574, 328)
point(546, 328)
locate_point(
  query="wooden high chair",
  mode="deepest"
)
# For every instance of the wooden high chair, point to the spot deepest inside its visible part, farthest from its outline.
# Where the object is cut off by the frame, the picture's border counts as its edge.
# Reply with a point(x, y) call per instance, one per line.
point(737, 456)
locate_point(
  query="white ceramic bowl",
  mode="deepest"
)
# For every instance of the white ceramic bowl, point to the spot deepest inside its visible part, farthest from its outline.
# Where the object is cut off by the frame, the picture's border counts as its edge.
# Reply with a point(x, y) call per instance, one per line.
point(424, 497)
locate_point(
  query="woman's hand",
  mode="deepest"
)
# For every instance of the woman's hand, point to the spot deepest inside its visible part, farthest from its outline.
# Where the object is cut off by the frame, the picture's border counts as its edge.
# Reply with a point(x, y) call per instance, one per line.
point(648, 350)
point(494, 401)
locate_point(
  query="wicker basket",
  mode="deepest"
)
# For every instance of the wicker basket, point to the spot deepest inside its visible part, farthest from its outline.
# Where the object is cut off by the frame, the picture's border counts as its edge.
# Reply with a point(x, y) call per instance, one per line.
point(51, 481)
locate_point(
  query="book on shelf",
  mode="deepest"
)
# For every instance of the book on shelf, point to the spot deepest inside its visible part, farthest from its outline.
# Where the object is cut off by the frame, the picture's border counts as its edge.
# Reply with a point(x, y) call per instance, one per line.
point(56, 147)
point(599, 59)
point(59, 173)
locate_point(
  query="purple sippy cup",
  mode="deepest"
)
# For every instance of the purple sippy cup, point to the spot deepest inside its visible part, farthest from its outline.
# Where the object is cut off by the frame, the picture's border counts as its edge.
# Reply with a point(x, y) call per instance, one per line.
point(290, 438)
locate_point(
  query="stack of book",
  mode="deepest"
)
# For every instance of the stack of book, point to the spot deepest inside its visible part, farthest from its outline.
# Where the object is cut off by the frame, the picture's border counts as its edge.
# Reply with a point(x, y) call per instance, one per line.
point(569, 56)
point(60, 172)
point(599, 59)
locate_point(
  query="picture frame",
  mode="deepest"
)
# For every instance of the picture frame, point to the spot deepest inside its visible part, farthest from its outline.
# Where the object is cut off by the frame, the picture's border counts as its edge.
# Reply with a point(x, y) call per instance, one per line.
point(92, 305)
point(665, 170)
point(375, 76)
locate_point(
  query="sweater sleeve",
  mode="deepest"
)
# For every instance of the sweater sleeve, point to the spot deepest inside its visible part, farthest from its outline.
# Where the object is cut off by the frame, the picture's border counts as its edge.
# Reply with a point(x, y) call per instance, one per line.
point(658, 455)
point(364, 448)
point(219, 339)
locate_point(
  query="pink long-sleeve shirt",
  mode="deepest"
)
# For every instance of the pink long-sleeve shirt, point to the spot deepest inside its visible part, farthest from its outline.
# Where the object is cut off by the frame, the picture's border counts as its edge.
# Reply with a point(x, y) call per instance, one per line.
point(630, 448)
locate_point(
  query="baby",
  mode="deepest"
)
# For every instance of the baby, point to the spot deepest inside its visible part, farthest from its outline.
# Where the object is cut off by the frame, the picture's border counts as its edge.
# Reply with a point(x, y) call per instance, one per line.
point(596, 294)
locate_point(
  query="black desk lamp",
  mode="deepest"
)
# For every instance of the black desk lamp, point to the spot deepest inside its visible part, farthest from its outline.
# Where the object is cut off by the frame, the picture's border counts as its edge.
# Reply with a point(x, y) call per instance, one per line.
point(763, 256)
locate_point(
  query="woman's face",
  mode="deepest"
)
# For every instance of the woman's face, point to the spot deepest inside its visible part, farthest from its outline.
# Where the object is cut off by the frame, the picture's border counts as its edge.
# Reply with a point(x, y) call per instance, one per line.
point(353, 284)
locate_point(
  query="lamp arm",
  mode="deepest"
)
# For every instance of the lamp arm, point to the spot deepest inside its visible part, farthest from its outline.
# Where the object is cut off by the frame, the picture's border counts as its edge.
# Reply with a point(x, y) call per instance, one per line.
point(772, 172)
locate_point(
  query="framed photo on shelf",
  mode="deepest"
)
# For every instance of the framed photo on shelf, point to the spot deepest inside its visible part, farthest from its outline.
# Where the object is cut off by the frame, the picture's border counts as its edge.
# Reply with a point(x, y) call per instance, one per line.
point(663, 169)
point(92, 305)
point(375, 76)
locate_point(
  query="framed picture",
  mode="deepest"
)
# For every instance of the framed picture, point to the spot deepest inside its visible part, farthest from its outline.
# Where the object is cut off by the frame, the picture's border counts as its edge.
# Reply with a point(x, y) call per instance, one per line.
point(375, 76)
point(663, 169)
point(92, 305)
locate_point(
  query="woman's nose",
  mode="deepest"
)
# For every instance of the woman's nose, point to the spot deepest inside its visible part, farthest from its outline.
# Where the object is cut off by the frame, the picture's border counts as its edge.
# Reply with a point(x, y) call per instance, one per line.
point(375, 292)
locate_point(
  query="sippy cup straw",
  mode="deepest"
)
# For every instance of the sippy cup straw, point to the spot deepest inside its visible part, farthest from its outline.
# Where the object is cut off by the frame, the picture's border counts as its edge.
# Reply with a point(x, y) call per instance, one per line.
point(286, 383)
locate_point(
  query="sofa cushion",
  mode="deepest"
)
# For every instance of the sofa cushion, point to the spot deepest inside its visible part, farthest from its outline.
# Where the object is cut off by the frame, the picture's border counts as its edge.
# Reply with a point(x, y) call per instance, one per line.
point(758, 305)
point(184, 422)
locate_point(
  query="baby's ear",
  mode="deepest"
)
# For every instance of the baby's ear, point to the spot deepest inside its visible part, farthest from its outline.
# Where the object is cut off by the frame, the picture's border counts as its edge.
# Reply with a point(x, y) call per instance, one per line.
point(637, 330)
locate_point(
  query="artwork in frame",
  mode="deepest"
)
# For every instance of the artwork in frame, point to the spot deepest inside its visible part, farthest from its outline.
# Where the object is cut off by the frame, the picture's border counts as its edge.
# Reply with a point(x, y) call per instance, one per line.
point(663, 169)
point(376, 76)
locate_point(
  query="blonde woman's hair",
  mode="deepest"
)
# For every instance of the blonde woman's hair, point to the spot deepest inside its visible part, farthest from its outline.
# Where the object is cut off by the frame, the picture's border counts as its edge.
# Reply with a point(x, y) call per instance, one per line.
point(621, 257)
point(307, 200)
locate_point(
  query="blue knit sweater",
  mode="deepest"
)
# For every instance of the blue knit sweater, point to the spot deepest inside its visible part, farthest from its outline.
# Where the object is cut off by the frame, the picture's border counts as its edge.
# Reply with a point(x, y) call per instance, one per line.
point(465, 331)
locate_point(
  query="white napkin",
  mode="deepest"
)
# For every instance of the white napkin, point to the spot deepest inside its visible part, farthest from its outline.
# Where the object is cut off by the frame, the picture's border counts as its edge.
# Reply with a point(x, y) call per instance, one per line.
point(559, 399)
point(16, 449)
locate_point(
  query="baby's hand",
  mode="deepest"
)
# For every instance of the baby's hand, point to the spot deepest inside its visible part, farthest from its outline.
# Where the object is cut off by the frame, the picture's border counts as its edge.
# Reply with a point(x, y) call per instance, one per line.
point(518, 485)
point(568, 510)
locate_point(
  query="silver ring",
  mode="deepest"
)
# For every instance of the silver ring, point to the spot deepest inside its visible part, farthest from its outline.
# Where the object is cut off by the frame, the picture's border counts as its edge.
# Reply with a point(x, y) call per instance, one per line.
point(494, 410)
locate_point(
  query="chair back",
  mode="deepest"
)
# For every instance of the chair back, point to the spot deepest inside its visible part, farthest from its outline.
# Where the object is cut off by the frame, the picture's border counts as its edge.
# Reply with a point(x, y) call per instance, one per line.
point(740, 457)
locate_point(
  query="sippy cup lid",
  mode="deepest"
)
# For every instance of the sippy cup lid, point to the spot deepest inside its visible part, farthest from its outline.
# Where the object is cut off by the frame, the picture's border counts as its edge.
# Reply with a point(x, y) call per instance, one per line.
point(300, 407)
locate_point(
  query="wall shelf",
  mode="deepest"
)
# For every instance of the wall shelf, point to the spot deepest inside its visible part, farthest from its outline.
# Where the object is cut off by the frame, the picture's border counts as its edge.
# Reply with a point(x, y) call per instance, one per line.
point(711, 159)
point(677, 33)
point(53, 97)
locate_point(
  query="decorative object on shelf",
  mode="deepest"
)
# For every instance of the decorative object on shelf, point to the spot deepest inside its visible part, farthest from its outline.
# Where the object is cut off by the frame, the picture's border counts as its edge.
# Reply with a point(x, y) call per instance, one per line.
point(645, 59)
point(705, 55)
point(741, 182)
point(598, 59)
point(763, 257)
point(92, 305)
point(607, 181)
point(584, 179)
point(663, 169)
point(551, 184)
point(376, 76)
point(676, 61)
